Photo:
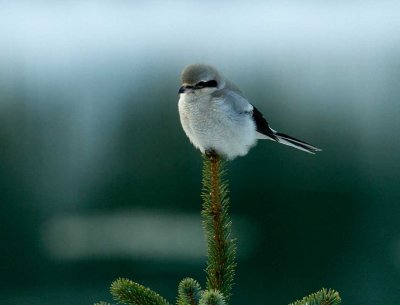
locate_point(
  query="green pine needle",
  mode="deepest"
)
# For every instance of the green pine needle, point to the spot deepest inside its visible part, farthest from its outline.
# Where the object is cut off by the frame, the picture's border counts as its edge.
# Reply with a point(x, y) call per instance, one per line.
point(221, 250)
point(189, 292)
point(127, 292)
point(322, 297)
point(221, 247)
point(212, 297)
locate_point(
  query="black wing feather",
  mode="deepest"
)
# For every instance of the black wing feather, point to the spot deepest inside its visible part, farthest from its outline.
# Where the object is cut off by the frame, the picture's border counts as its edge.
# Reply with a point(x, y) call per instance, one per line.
point(262, 124)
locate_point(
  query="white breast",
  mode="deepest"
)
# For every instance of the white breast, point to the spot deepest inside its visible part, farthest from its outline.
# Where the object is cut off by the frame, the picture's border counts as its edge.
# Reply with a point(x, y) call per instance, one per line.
point(214, 124)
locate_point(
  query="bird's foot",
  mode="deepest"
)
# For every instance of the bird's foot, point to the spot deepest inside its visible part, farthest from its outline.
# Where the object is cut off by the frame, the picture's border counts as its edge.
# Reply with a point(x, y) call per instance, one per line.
point(211, 154)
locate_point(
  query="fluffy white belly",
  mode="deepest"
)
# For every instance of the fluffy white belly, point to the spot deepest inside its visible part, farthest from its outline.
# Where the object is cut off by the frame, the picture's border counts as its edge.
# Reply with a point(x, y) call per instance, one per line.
point(212, 124)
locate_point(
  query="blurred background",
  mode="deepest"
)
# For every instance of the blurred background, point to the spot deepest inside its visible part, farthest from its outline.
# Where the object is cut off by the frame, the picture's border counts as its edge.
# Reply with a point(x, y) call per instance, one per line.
point(98, 181)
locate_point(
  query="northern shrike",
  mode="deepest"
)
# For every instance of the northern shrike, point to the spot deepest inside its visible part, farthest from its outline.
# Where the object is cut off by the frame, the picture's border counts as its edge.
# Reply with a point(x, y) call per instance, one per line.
point(217, 117)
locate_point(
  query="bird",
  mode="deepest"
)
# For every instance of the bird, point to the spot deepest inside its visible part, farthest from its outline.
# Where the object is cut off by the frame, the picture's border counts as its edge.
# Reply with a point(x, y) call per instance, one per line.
point(218, 119)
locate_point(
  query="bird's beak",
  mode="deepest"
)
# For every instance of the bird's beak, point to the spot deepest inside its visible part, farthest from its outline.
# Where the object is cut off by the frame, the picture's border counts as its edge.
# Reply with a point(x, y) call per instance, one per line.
point(185, 88)
point(182, 89)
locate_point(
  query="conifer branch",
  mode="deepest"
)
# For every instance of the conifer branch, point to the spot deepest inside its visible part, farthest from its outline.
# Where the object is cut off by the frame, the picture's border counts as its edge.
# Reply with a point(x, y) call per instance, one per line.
point(189, 292)
point(322, 297)
point(221, 254)
point(221, 247)
point(129, 292)
point(212, 297)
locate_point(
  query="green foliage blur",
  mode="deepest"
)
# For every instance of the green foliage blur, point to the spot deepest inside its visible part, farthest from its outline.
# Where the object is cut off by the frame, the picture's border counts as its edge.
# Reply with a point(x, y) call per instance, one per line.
point(89, 127)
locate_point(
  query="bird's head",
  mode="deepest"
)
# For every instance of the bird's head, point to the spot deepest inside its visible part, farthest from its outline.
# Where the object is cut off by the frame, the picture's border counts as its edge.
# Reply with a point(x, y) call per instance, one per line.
point(200, 79)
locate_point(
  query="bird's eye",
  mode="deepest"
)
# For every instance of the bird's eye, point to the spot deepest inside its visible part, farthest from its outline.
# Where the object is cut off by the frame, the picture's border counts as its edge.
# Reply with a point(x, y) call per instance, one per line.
point(200, 85)
point(209, 84)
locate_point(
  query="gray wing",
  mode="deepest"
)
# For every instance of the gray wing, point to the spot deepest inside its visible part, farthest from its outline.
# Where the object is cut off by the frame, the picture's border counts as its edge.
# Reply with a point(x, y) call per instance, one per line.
point(237, 102)
point(241, 105)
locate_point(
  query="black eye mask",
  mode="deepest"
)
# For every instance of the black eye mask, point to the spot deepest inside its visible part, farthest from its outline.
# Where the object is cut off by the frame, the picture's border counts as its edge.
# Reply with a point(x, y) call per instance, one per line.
point(208, 84)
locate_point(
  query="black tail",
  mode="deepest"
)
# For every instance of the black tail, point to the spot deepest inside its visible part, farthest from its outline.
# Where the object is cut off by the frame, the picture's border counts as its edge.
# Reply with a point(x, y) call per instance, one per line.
point(288, 140)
